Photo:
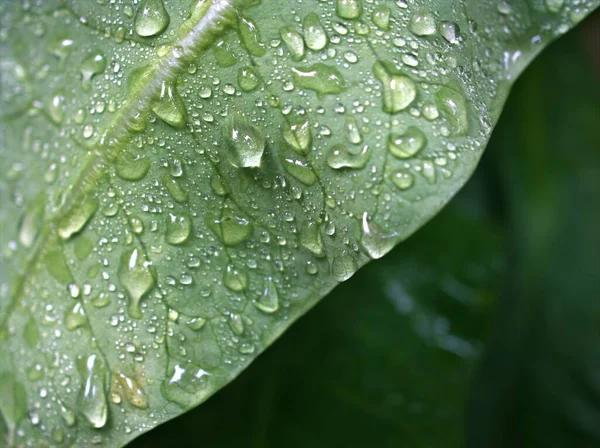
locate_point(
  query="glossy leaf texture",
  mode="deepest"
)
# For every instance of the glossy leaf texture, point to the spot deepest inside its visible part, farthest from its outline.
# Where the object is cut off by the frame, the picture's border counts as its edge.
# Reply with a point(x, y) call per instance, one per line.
point(183, 180)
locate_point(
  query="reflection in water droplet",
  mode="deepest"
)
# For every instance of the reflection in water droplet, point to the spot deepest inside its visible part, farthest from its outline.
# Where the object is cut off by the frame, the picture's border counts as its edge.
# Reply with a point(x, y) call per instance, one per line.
point(151, 18)
point(399, 91)
point(136, 277)
point(246, 141)
point(375, 242)
point(92, 401)
point(403, 180)
point(75, 316)
point(296, 132)
point(269, 300)
point(130, 168)
point(422, 23)
point(404, 146)
point(343, 267)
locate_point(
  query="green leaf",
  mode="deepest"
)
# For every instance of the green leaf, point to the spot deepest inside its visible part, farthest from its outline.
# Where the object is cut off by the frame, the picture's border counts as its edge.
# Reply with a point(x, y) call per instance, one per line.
point(181, 181)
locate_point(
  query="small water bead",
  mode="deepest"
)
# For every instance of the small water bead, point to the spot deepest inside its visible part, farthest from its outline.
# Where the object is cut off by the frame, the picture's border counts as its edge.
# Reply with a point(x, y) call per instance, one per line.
point(343, 267)
point(314, 33)
point(410, 59)
point(248, 79)
point(179, 229)
point(246, 141)
point(381, 17)
point(92, 402)
point(235, 279)
point(374, 241)
point(269, 299)
point(311, 268)
point(77, 217)
point(403, 180)
point(322, 79)
point(430, 111)
point(151, 18)
point(340, 157)
point(422, 23)
point(301, 170)
point(137, 278)
point(296, 132)
point(311, 239)
point(408, 144)
point(348, 9)
point(294, 42)
point(169, 106)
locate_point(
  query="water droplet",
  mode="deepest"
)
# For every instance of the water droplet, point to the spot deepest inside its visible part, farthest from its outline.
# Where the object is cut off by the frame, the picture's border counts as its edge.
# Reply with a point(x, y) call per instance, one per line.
point(314, 33)
point(554, 5)
point(375, 242)
point(67, 414)
point(453, 103)
point(94, 64)
point(404, 146)
point(422, 23)
point(133, 392)
point(248, 79)
point(296, 132)
point(179, 229)
point(321, 78)
point(343, 267)
point(77, 217)
point(399, 91)
point(136, 277)
point(428, 172)
point(92, 401)
point(294, 42)
point(235, 279)
point(348, 9)
point(236, 323)
point(169, 106)
point(269, 300)
point(232, 228)
point(251, 37)
point(196, 323)
point(183, 382)
point(301, 170)
point(56, 107)
point(354, 135)
point(403, 180)
point(381, 17)
point(246, 141)
point(311, 239)
point(340, 157)
point(75, 316)
point(174, 189)
point(151, 18)
point(132, 168)
point(31, 222)
point(450, 31)
point(224, 54)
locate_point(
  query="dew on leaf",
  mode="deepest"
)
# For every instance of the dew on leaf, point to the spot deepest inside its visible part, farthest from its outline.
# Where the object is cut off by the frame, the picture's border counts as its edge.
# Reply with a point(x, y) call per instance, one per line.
point(311, 239)
point(301, 170)
point(296, 132)
point(133, 391)
point(453, 104)
point(343, 267)
point(422, 23)
point(246, 142)
point(293, 41)
point(314, 33)
point(77, 217)
point(403, 180)
point(236, 323)
point(399, 91)
point(408, 144)
point(320, 78)
point(373, 240)
point(248, 79)
point(224, 54)
point(179, 228)
point(340, 157)
point(232, 228)
point(92, 401)
point(269, 299)
point(235, 279)
point(132, 168)
point(348, 9)
point(381, 17)
point(169, 106)
point(94, 64)
point(137, 278)
point(151, 18)
point(251, 37)
point(75, 316)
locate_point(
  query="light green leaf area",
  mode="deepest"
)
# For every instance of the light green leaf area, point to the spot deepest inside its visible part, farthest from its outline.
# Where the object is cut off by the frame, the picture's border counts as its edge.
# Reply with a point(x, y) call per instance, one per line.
point(182, 180)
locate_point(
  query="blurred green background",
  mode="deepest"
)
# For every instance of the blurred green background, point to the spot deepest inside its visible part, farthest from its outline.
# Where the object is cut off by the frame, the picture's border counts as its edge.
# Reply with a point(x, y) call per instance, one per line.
point(481, 330)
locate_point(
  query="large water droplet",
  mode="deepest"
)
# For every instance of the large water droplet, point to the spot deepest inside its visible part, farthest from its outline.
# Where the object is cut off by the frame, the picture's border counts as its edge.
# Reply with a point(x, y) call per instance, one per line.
point(92, 396)
point(314, 33)
point(348, 9)
point(453, 103)
point(251, 37)
point(343, 267)
point(269, 300)
point(381, 17)
point(294, 42)
point(151, 18)
point(236, 323)
point(296, 132)
point(340, 157)
point(31, 222)
point(422, 23)
point(301, 170)
point(246, 141)
point(232, 228)
point(399, 91)
point(311, 239)
point(75, 316)
point(94, 64)
point(248, 78)
point(179, 229)
point(235, 279)
point(169, 106)
point(137, 278)
point(375, 242)
point(403, 180)
point(404, 146)
point(133, 392)
point(77, 217)
point(321, 78)
point(183, 382)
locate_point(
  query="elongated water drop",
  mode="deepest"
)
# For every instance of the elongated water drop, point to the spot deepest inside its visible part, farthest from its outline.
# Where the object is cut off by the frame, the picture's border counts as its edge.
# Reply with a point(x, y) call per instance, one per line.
point(179, 228)
point(322, 79)
point(314, 33)
point(92, 396)
point(246, 142)
point(77, 217)
point(75, 316)
point(251, 37)
point(296, 132)
point(301, 170)
point(399, 91)
point(422, 23)
point(381, 17)
point(340, 157)
point(269, 299)
point(343, 267)
point(311, 239)
point(94, 64)
point(452, 102)
point(151, 18)
point(133, 392)
point(169, 106)
point(293, 41)
point(404, 146)
point(375, 242)
point(137, 278)
point(32, 222)
point(348, 9)
point(236, 323)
